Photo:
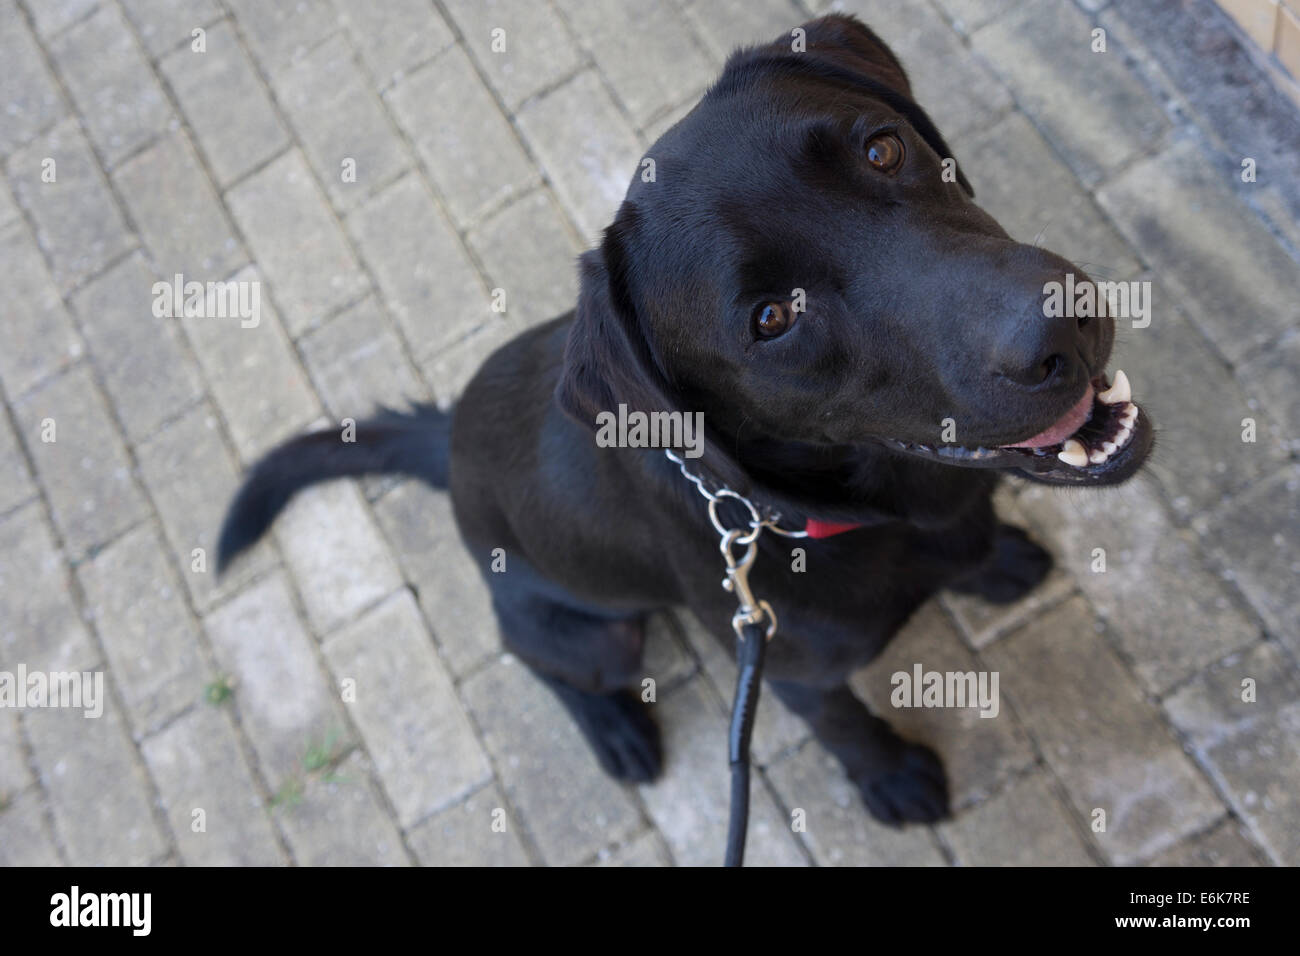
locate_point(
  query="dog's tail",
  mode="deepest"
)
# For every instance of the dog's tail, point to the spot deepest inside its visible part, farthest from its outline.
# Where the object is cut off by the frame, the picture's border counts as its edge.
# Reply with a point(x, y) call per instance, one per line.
point(415, 443)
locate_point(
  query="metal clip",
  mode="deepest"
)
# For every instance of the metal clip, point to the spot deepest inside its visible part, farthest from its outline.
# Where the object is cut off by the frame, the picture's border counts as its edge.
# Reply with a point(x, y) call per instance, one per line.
point(751, 610)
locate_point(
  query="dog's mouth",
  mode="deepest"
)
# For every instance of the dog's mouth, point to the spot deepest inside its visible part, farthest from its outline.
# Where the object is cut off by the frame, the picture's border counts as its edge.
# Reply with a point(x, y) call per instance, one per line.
point(1103, 439)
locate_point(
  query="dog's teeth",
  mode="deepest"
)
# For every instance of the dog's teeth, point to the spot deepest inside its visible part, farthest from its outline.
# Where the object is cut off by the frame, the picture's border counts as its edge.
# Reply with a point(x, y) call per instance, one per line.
point(1118, 392)
point(1109, 447)
point(1129, 416)
point(1098, 456)
point(1073, 453)
point(1124, 435)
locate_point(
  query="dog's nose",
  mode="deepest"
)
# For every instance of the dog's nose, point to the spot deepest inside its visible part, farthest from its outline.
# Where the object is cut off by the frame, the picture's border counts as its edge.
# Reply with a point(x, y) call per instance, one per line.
point(1051, 342)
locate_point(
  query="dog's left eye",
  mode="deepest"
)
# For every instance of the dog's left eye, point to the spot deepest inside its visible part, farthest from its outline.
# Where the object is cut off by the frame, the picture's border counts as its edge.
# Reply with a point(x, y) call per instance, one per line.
point(885, 152)
point(773, 319)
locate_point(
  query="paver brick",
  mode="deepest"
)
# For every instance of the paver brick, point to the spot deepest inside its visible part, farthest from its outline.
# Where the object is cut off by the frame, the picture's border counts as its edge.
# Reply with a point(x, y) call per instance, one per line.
point(281, 33)
point(532, 53)
point(165, 24)
point(24, 835)
point(464, 834)
point(1104, 741)
point(177, 212)
point(297, 242)
point(1215, 704)
point(14, 774)
point(1228, 844)
point(644, 850)
point(85, 470)
point(147, 372)
point(406, 708)
point(39, 336)
point(116, 93)
point(396, 36)
point(225, 104)
point(1024, 825)
point(78, 224)
point(197, 764)
point(147, 633)
point(454, 123)
point(49, 18)
point(27, 89)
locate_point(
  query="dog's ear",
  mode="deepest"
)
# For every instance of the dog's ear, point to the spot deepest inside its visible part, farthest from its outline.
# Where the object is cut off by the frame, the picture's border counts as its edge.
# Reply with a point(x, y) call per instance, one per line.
point(852, 48)
point(609, 358)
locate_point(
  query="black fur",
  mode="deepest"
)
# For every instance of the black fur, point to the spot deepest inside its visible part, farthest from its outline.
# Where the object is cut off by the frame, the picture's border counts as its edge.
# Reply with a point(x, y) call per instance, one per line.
point(919, 307)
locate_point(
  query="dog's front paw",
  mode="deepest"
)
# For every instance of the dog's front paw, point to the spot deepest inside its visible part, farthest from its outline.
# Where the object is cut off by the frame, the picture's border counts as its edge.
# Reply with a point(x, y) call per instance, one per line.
point(625, 738)
point(913, 790)
point(1017, 566)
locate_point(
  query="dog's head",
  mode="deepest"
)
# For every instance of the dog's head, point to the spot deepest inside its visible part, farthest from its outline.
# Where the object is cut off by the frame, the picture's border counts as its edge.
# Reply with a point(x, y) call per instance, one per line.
point(803, 261)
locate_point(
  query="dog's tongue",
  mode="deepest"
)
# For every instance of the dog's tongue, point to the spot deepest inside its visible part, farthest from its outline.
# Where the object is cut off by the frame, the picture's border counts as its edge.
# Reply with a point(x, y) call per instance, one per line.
point(1067, 425)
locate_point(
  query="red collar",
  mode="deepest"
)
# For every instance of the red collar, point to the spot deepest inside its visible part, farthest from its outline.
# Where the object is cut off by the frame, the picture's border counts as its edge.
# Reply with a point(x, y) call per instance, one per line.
point(826, 529)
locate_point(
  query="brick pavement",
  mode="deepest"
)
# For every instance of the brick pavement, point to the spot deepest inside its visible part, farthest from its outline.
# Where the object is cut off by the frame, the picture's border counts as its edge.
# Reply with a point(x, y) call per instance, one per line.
point(340, 697)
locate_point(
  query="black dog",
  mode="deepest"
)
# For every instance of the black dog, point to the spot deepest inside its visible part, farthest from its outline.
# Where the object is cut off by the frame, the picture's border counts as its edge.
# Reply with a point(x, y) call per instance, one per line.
point(806, 271)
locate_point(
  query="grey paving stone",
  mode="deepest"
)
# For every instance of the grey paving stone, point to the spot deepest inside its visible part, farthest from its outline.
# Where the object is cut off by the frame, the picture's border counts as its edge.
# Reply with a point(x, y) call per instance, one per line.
point(49, 18)
point(1258, 769)
point(328, 100)
point(357, 363)
point(538, 51)
point(8, 211)
point(24, 836)
point(1228, 844)
point(427, 280)
point(14, 774)
point(280, 33)
point(1057, 213)
point(550, 775)
point(979, 753)
point(776, 729)
point(27, 88)
point(177, 212)
point(116, 92)
point(689, 802)
point(337, 819)
point(406, 709)
point(970, 15)
point(297, 242)
point(147, 372)
point(198, 766)
point(575, 120)
point(254, 375)
point(645, 850)
point(1167, 610)
point(463, 835)
point(661, 124)
point(1270, 376)
point(40, 339)
point(651, 60)
point(77, 223)
point(336, 553)
point(1210, 707)
point(724, 25)
point(98, 794)
point(526, 251)
point(450, 369)
point(39, 626)
point(396, 36)
point(1255, 542)
point(840, 832)
point(420, 528)
point(956, 89)
point(1024, 825)
point(1208, 462)
point(454, 123)
point(1229, 273)
point(287, 705)
point(16, 485)
point(666, 659)
point(191, 477)
point(165, 24)
point(1104, 741)
point(146, 630)
point(1096, 113)
point(85, 470)
point(225, 104)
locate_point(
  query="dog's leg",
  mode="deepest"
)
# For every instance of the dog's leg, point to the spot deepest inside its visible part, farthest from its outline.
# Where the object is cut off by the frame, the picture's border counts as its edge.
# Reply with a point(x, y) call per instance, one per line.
point(900, 782)
point(1015, 567)
point(589, 661)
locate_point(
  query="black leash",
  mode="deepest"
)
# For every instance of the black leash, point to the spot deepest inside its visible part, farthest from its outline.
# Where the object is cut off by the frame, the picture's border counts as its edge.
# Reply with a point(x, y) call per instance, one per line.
point(754, 623)
point(751, 650)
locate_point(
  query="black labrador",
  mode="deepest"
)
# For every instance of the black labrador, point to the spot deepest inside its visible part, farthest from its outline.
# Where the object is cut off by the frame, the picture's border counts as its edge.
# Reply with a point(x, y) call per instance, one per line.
point(869, 349)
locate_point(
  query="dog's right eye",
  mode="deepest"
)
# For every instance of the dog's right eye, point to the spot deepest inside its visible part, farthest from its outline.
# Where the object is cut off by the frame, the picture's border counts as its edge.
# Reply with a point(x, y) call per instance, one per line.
point(773, 319)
